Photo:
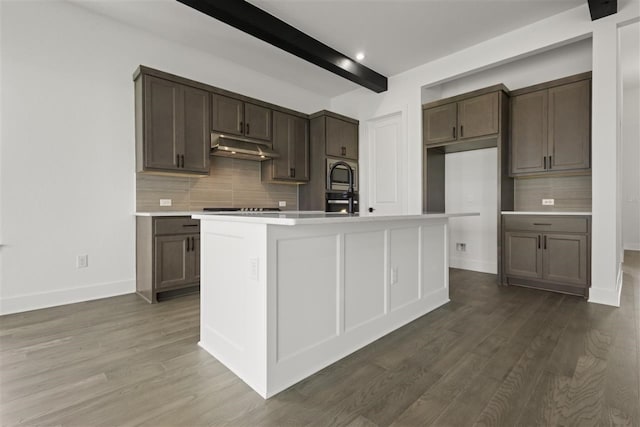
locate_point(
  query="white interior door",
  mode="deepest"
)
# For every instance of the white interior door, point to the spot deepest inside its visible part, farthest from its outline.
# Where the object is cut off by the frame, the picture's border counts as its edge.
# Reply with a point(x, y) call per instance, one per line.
point(386, 171)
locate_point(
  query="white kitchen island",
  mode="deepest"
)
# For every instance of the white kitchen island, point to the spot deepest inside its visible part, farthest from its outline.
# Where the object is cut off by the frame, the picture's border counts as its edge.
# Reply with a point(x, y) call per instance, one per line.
point(284, 295)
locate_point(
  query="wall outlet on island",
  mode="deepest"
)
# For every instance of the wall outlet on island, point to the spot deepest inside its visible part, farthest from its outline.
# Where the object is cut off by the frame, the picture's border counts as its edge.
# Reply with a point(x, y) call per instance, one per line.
point(253, 268)
point(548, 202)
point(82, 261)
point(165, 202)
point(461, 247)
point(394, 275)
point(282, 204)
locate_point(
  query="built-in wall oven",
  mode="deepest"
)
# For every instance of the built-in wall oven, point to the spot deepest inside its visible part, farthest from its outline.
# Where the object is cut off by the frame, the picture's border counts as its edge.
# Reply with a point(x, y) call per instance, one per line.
point(337, 201)
point(340, 178)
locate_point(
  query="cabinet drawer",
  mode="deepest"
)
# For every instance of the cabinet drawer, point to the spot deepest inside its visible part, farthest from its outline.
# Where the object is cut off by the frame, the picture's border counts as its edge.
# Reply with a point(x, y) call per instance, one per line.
point(546, 223)
point(176, 225)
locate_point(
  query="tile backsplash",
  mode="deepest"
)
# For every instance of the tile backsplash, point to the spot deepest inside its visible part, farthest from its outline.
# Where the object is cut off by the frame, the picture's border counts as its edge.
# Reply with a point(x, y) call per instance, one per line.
point(571, 193)
point(231, 183)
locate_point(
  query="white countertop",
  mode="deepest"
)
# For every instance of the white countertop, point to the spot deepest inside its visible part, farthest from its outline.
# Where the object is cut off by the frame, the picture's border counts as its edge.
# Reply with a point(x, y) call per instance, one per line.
point(544, 213)
point(314, 217)
point(192, 213)
point(169, 213)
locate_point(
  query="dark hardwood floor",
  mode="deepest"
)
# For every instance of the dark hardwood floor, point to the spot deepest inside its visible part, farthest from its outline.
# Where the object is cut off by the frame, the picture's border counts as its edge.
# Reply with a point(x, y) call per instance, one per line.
point(493, 356)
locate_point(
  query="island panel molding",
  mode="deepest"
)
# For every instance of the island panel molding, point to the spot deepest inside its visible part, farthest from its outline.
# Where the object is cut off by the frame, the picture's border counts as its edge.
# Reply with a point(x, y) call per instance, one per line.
point(282, 298)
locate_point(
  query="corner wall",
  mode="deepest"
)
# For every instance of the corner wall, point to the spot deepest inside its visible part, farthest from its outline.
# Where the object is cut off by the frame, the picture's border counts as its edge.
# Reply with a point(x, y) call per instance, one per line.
point(67, 171)
point(564, 28)
point(630, 168)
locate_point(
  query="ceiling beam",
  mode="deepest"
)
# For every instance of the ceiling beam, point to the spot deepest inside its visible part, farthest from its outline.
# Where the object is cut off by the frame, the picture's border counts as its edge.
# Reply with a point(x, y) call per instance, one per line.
point(255, 21)
point(601, 8)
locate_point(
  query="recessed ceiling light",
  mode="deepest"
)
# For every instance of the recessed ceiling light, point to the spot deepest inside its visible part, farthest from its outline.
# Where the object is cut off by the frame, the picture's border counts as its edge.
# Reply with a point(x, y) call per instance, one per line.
point(359, 56)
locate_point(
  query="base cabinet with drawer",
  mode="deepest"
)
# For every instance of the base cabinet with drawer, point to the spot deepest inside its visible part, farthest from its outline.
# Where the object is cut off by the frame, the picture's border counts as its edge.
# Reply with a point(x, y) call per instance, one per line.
point(548, 252)
point(167, 256)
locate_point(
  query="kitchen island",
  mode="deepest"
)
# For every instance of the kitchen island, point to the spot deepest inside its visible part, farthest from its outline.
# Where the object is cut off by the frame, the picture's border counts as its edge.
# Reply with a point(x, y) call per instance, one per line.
point(284, 295)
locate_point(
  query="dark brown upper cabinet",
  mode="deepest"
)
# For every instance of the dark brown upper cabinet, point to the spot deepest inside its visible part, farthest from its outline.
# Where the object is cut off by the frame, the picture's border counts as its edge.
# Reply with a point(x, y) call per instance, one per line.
point(474, 117)
point(342, 138)
point(236, 117)
point(551, 127)
point(570, 126)
point(227, 114)
point(291, 141)
point(440, 124)
point(529, 130)
point(172, 126)
point(479, 116)
point(257, 122)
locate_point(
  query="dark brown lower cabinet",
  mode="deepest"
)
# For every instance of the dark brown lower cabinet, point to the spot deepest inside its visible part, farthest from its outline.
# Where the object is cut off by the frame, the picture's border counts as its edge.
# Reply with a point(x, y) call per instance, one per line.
point(524, 258)
point(548, 252)
point(167, 256)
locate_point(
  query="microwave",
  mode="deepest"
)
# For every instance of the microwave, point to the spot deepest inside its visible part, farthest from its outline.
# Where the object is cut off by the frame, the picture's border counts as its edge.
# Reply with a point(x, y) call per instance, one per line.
point(340, 180)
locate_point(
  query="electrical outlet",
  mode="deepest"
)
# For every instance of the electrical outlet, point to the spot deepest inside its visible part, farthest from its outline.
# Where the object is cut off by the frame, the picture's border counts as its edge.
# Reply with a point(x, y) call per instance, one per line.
point(82, 261)
point(282, 203)
point(548, 202)
point(461, 247)
point(253, 268)
point(165, 202)
point(394, 275)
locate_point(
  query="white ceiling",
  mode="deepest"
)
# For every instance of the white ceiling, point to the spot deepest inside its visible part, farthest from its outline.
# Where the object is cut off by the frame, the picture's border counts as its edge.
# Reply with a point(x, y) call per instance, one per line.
point(395, 35)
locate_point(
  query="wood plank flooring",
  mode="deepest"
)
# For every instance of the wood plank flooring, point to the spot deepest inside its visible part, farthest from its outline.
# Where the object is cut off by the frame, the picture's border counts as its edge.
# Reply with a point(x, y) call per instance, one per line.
point(492, 356)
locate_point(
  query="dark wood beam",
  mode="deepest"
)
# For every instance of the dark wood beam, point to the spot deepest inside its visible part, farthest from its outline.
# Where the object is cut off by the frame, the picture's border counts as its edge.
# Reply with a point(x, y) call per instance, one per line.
point(255, 21)
point(601, 8)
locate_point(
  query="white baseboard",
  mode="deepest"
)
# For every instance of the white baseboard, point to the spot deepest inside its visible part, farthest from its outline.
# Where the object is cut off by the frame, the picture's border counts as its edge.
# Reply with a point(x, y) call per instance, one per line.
point(608, 296)
point(29, 302)
point(632, 246)
point(473, 265)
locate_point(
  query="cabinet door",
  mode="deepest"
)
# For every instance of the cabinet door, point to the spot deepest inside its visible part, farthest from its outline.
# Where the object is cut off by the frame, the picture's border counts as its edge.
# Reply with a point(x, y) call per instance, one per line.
point(281, 137)
point(570, 126)
point(227, 114)
point(257, 122)
point(341, 138)
point(439, 124)
point(194, 258)
point(523, 256)
point(171, 264)
point(479, 116)
point(299, 148)
point(529, 132)
point(196, 131)
point(565, 258)
point(161, 129)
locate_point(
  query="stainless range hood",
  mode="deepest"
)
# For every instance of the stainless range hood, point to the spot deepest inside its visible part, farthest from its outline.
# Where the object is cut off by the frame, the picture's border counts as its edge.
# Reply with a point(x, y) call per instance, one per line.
point(238, 147)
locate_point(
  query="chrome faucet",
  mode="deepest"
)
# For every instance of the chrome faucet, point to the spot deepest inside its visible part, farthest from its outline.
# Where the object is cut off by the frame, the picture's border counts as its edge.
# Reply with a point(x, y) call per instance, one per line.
point(349, 193)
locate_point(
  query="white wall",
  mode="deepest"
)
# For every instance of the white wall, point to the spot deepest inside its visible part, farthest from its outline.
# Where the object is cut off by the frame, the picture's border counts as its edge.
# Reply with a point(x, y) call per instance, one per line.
point(471, 185)
point(631, 168)
point(553, 64)
point(565, 28)
point(67, 165)
point(630, 130)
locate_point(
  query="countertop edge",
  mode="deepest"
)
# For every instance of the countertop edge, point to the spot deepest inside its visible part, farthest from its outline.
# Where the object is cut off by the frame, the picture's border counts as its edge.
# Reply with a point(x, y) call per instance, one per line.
point(257, 219)
point(192, 213)
point(546, 213)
